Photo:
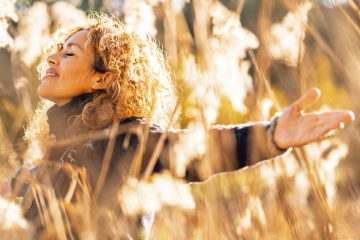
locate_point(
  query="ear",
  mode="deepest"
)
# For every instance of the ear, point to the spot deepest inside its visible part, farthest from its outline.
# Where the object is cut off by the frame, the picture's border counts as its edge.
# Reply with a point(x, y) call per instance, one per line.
point(102, 81)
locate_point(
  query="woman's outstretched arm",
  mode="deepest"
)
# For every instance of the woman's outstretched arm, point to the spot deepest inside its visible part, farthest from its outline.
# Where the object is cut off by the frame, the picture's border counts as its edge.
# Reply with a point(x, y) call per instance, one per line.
point(238, 146)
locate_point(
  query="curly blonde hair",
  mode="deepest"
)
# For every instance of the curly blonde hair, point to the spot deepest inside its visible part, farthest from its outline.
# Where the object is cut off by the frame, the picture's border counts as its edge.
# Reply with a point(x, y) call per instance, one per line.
point(142, 85)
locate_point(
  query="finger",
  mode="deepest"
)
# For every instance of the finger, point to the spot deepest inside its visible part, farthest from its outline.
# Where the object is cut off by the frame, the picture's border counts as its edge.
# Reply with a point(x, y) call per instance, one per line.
point(335, 119)
point(339, 116)
point(307, 99)
point(347, 115)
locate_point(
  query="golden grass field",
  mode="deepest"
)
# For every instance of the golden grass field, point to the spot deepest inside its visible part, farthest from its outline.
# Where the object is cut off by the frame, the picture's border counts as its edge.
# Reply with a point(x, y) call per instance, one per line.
point(234, 62)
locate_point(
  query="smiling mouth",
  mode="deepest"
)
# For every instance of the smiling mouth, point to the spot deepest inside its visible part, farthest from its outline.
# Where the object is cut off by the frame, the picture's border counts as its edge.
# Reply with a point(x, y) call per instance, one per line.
point(51, 75)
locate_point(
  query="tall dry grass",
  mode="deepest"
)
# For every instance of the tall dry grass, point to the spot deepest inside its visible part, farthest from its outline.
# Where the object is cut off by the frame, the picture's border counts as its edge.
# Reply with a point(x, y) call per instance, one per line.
point(229, 72)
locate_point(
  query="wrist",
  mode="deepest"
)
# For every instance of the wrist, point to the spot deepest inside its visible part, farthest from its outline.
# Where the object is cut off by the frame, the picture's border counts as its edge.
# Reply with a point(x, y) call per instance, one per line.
point(272, 135)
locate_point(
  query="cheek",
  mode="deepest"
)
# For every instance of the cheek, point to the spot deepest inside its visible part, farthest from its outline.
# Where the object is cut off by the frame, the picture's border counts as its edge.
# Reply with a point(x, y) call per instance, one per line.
point(76, 74)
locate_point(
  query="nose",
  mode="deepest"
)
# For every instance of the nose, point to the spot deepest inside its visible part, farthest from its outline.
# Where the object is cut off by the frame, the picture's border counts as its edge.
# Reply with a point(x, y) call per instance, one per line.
point(52, 59)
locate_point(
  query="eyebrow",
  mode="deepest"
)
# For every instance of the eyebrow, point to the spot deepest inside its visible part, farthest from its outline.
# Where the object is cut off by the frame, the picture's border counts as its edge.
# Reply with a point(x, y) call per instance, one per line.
point(74, 44)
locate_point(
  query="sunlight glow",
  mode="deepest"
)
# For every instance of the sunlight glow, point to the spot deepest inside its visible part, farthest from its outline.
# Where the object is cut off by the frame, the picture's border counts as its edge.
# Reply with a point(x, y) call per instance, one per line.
point(33, 33)
point(7, 12)
point(285, 40)
point(12, 214)
point(141, 197)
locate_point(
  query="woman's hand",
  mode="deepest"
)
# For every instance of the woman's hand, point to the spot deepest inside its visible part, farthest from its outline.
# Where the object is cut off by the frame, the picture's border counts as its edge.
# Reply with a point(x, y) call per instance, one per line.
point(294, 129)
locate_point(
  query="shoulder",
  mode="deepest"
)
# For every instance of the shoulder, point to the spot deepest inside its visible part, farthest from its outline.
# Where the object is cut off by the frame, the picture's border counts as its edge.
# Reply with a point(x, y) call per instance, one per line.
point(135, 122)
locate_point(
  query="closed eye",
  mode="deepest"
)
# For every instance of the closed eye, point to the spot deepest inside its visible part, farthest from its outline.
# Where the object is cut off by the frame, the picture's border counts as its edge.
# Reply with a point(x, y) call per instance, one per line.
point(70, 54)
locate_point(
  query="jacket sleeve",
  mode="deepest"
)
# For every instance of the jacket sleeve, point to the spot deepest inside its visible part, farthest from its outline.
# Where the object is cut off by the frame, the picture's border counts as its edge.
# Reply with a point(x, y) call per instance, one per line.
point(229, 148)
point(234, 147)
point(254, 142)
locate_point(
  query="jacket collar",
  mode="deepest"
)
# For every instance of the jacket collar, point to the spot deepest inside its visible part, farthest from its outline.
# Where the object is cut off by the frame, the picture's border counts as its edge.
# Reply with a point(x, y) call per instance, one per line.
point(58, 116)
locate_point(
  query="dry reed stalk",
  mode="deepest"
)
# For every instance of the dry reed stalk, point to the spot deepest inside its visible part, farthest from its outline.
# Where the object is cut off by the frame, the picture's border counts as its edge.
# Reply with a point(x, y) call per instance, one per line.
point(354, 8)
point(350, 20)
point(159, 145)
point(239, 7)
point(106, 161)
point(137, 161)
point(323, 212)
point(56, 215)
point(201, 26)
point(264, 81)
point(262, 58)
point(288, 210)
point(170, 32)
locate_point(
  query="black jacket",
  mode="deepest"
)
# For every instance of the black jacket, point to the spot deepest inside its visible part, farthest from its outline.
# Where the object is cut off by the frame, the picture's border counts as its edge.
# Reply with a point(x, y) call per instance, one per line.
point(126, 149)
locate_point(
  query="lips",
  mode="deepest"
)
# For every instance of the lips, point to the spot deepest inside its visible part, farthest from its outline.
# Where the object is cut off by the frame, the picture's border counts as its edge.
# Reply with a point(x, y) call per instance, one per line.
point(51, 73)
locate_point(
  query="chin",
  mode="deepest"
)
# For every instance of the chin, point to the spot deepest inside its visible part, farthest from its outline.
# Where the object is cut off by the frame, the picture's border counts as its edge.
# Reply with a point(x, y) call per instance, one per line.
point(42, 91)
point(45, 93)
point(49, 95)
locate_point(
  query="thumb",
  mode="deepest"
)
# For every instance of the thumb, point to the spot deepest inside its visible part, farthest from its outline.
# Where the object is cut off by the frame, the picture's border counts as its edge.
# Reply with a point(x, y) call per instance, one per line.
point(308, 98)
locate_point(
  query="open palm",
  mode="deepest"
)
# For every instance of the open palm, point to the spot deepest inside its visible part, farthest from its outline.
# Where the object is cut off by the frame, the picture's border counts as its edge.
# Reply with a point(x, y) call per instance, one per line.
point(295, 129)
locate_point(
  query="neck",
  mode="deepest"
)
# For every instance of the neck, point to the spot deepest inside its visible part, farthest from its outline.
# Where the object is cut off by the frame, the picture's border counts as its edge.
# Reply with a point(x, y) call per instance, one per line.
point(62, 103)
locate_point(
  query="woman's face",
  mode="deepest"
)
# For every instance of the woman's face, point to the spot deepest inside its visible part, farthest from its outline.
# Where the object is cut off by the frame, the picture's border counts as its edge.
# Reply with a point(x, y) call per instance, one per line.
point(70, 71)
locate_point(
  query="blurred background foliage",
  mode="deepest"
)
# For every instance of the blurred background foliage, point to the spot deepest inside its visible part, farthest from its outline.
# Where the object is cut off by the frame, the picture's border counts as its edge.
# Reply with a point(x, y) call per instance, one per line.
point(235, 61)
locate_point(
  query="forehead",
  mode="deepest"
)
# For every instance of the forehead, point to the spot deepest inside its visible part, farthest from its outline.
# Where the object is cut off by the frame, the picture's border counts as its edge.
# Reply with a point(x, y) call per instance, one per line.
point(78, 39)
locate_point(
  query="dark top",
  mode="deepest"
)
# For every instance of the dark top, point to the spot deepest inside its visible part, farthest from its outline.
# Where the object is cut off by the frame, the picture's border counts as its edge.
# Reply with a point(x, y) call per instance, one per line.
point(126, 149)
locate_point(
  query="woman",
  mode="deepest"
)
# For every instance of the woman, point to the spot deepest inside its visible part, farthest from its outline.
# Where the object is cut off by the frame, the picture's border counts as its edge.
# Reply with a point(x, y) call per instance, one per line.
point(113, 98)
